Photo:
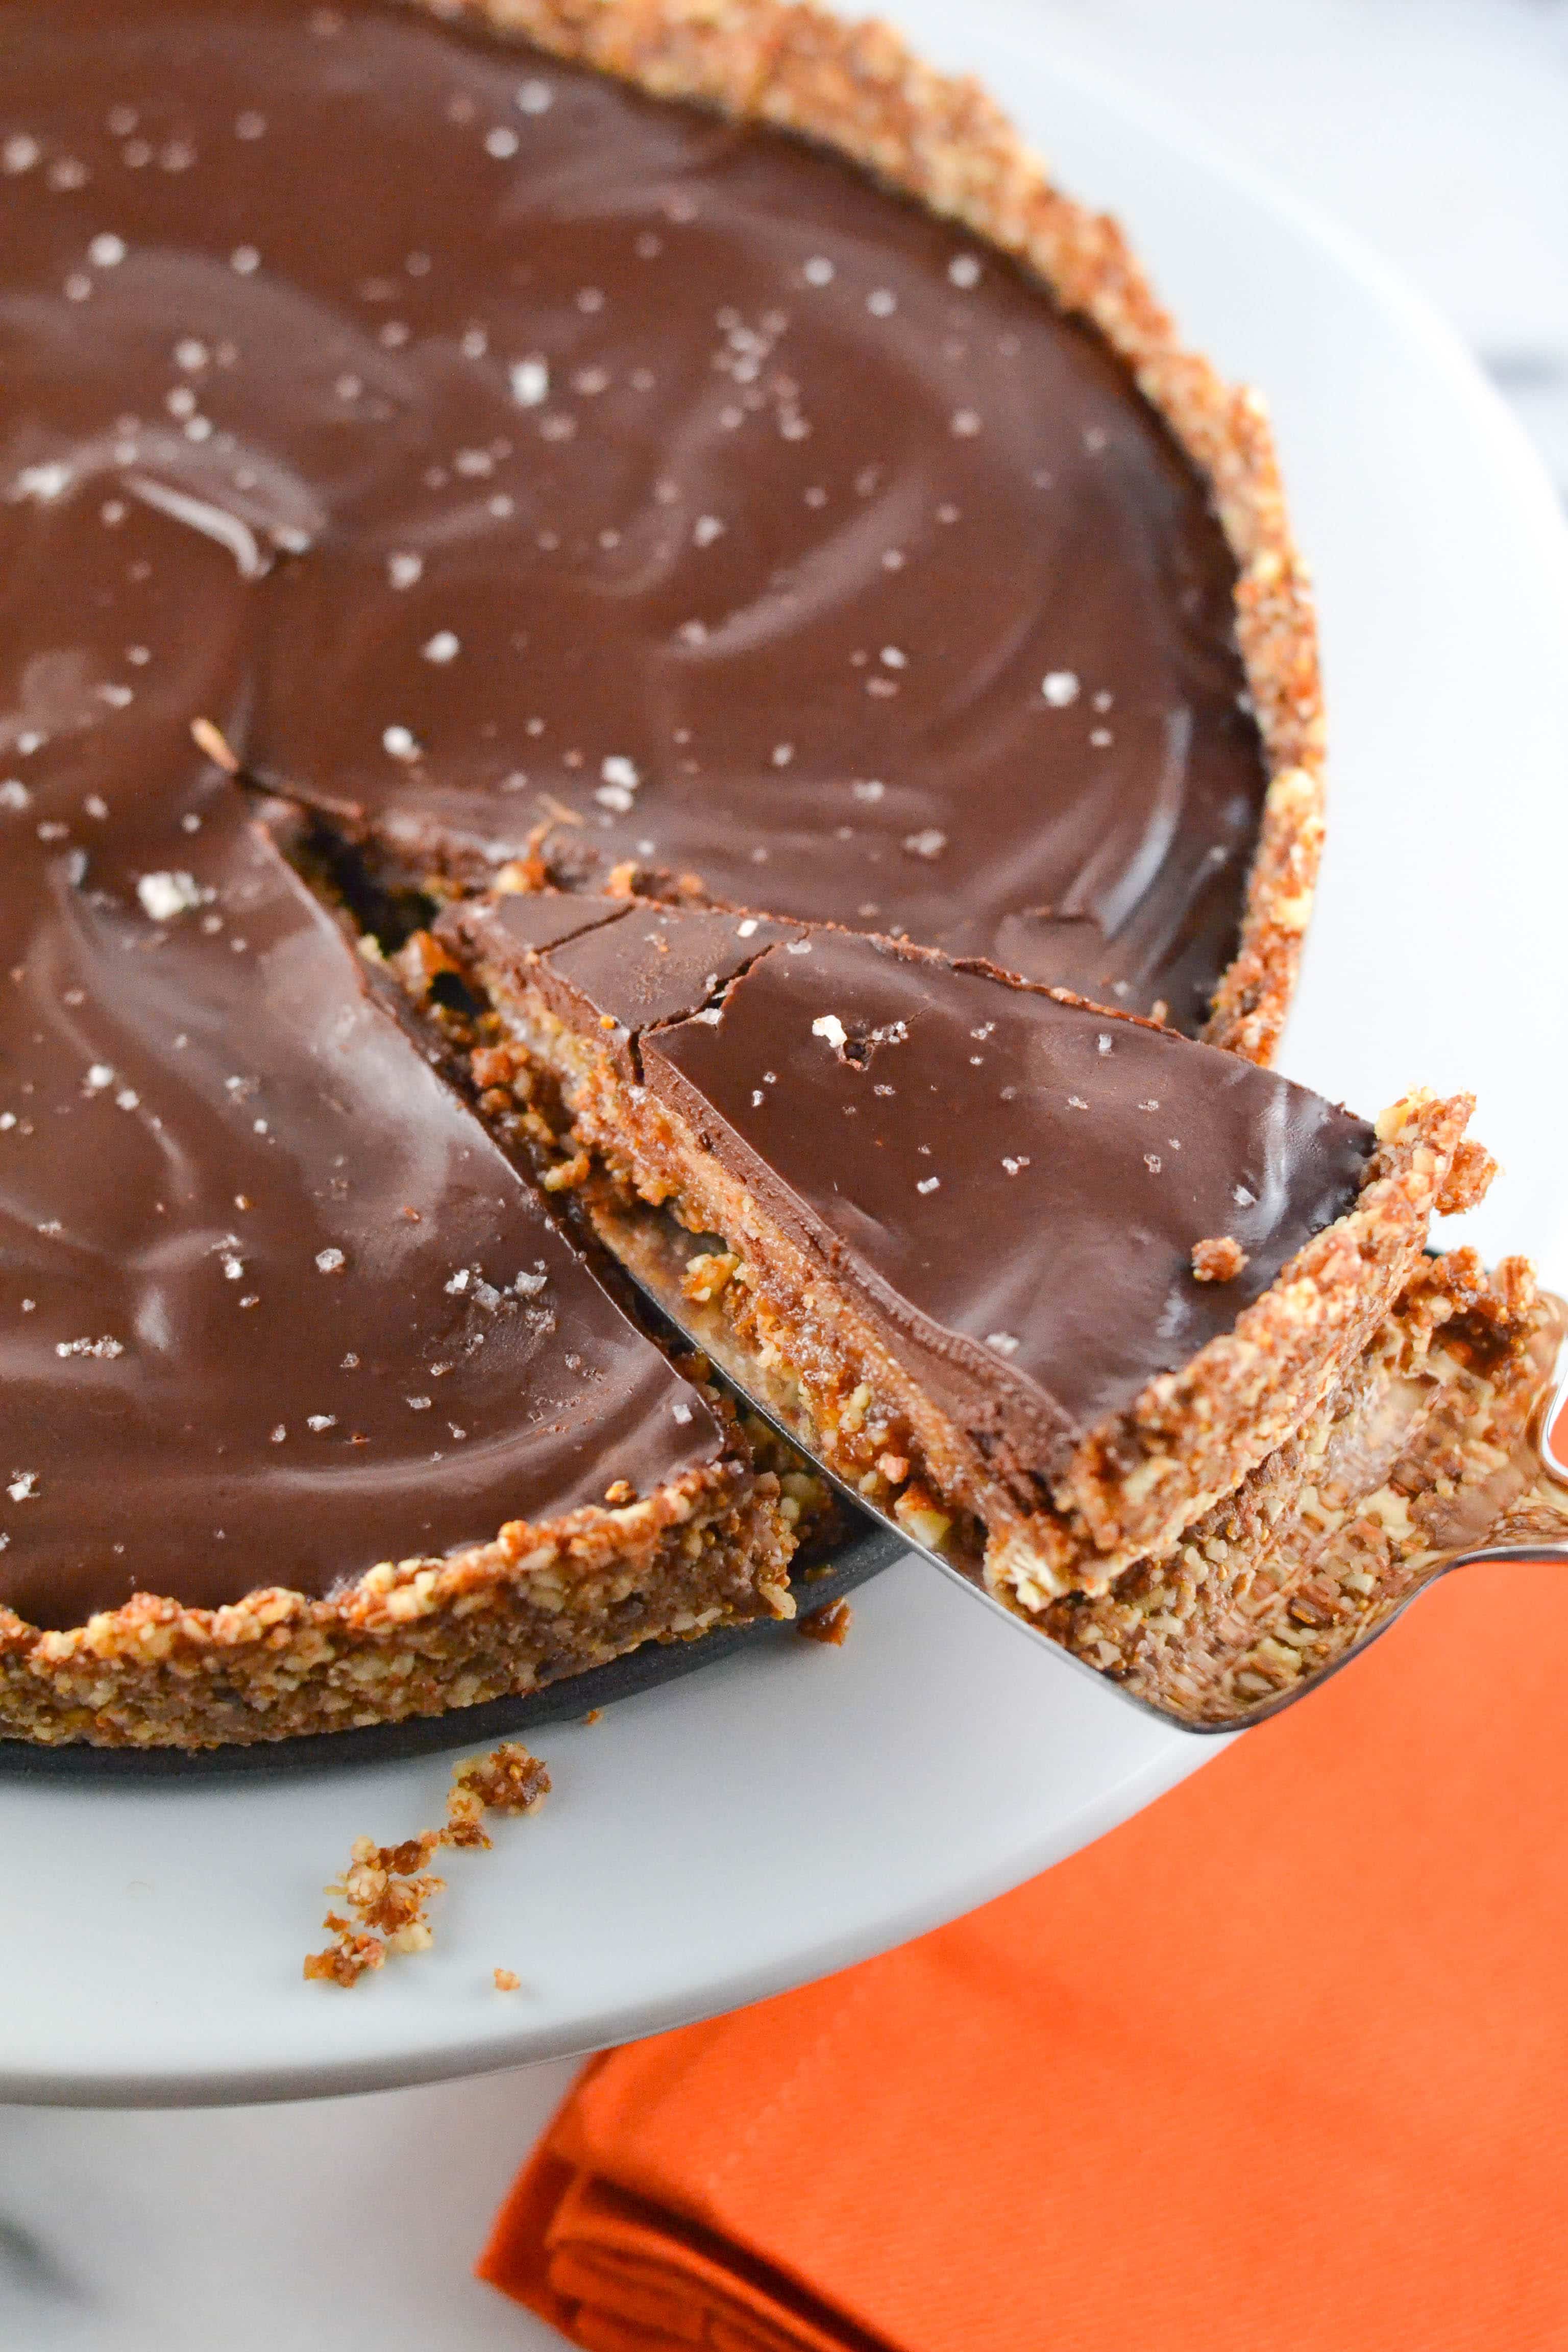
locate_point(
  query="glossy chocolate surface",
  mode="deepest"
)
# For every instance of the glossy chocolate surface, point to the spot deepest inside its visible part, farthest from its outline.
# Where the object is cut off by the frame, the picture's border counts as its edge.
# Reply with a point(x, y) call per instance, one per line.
point(609, 469)
point(272, 1305)
point(1013, 1184)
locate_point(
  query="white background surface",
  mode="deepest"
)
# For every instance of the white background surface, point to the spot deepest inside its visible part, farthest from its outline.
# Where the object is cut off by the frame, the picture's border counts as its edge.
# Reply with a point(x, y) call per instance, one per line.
point(1437, 131)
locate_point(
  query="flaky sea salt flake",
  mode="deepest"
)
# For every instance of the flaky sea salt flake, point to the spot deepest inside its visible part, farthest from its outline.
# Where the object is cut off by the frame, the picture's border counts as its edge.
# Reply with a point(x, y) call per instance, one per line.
point(41, 483)
point(529, 381)
point(165, 895)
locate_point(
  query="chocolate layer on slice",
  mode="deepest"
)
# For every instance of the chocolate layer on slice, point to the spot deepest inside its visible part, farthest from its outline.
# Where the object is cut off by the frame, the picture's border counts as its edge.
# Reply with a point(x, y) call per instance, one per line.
point(617, 485)
point(1055, 1272)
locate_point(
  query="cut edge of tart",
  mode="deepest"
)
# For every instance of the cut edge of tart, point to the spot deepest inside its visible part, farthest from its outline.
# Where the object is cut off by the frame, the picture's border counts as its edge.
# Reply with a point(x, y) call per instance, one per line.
point(1428, 1448)
point(859, 90)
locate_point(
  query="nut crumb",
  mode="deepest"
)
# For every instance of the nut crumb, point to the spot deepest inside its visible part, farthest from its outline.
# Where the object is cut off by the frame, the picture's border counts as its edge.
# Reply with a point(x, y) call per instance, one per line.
point(1469, 1177)
point(508, 1781)
point(707, 1275)
point(1220, 1260)
point(349, 1958)
point(387, 1888)
point(830, 1623)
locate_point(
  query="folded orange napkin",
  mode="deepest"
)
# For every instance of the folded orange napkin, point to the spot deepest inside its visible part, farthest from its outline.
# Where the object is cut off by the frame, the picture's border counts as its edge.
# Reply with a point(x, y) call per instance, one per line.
point(1281, 2065)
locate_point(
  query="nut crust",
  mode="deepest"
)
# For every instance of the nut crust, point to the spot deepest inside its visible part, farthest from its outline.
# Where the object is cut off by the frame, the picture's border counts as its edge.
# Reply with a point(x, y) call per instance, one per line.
point(1428, 1448)
point(1193, 1435)
point(414, 1637)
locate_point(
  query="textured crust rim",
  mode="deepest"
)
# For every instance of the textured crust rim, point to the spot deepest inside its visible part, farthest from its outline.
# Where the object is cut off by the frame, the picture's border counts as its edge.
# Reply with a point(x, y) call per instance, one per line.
point(859, 89)
point(411, 1637)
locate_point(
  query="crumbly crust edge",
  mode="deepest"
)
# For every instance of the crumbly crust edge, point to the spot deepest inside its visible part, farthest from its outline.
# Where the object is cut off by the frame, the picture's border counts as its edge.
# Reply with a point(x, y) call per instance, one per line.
point(1293, 1571)
point(416, 1636)
point(1191, 1436)
point(859, 89)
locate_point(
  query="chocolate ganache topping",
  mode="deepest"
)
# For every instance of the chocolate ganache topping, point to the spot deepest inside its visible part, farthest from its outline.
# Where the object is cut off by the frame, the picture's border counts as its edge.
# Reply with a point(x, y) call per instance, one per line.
point(601, 466)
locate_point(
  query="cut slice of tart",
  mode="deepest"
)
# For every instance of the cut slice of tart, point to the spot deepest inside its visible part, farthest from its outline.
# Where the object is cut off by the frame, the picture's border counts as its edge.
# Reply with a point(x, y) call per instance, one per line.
point(1051, 1282)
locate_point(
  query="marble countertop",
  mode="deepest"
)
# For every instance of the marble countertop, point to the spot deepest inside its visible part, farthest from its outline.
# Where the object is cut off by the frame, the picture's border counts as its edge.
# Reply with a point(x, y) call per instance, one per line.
point(1436, 133)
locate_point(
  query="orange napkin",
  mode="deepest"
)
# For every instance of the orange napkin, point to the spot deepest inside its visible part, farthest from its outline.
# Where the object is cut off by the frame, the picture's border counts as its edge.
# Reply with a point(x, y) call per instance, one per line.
point(1281, 2065)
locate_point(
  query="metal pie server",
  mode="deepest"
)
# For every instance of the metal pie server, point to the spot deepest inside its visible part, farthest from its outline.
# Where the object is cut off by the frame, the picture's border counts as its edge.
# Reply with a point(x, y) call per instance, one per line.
point(657, 1269)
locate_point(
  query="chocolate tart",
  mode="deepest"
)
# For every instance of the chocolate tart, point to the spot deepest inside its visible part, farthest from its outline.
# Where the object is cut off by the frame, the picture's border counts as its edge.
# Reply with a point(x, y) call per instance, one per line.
point(671, 447)
point(1098, 1309)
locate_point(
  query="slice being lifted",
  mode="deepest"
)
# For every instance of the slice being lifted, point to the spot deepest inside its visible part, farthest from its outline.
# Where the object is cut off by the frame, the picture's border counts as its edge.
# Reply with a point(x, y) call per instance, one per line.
point(1049, 1282)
